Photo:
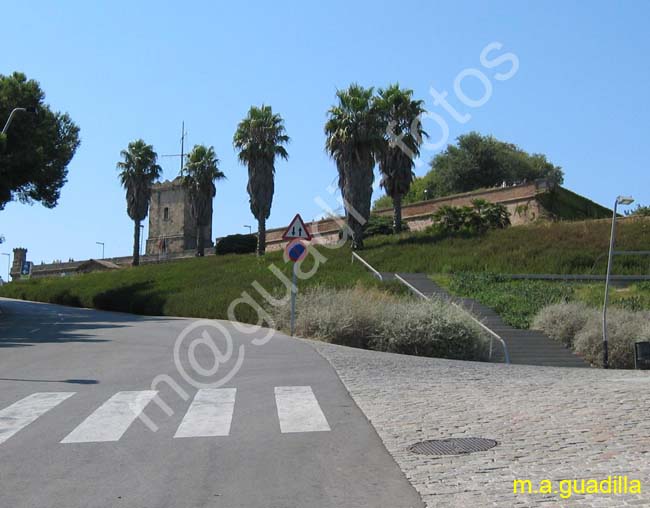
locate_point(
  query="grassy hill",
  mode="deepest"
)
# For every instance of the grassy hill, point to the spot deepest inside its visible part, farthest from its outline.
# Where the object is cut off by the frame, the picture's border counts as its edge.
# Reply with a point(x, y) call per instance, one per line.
point(199, 287)
point(205, 287)
point(561, 247)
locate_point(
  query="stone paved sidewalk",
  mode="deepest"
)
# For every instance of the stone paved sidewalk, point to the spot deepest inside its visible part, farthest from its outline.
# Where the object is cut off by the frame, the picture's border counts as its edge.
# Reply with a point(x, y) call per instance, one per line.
point(551, 423)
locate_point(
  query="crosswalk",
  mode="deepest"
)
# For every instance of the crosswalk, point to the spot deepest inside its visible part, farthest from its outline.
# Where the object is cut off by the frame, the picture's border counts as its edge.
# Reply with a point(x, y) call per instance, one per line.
point(210, 414)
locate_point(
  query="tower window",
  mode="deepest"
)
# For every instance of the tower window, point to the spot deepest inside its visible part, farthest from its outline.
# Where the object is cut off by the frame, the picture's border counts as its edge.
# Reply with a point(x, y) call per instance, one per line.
point(166, 214)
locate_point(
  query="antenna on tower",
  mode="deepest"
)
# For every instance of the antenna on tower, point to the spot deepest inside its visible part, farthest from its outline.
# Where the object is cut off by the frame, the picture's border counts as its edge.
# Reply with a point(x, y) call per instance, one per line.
point(182, 154)
point(183, 134)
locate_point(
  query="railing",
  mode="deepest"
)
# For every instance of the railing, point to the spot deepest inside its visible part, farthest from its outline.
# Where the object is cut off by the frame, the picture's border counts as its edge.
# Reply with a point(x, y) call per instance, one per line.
point(367, 265)
point(493, 335)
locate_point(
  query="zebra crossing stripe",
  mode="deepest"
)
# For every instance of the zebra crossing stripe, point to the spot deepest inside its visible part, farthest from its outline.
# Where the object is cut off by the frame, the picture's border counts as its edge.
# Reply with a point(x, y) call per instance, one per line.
point(25, 411)
point(210, 413)
point(111, 420)
point(298, 410)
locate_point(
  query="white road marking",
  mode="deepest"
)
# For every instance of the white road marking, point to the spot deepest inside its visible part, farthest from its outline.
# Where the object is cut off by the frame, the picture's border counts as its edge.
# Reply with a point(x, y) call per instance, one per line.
point(111, 420)
point(25, 411)
point(298, 410)
point(210, 413)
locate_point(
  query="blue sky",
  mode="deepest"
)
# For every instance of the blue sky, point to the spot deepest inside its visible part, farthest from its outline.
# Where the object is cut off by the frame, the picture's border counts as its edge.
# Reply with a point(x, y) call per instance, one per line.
point(127, 70)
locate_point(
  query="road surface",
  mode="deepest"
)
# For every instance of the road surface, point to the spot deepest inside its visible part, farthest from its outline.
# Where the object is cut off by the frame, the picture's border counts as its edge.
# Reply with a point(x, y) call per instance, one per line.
point(95, 412)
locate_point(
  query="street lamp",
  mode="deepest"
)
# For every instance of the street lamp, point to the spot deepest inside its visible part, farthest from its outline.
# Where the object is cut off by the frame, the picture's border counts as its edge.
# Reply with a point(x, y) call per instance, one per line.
point(250, 229)
point(8, 264)
point(32, 110)
point(620, 200)
point(102, 244)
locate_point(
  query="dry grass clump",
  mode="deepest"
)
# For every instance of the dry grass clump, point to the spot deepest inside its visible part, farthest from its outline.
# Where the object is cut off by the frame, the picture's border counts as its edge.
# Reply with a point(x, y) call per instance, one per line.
point(563, 321)
point(580, 327)
point(374, 319)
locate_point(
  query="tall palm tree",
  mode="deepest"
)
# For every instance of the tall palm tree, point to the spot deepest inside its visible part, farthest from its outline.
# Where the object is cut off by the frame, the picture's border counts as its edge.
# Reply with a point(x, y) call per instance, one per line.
point(138, 171)
point(353, 139)
point(259, 138)
point(403, 135)
point(200, 172)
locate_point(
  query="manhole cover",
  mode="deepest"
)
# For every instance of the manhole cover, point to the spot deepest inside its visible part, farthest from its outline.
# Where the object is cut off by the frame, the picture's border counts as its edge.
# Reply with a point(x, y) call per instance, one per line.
point(453, 446)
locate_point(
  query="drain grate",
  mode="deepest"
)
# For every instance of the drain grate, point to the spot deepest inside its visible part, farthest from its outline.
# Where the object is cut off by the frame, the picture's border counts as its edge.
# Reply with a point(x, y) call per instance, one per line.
point(453, 446)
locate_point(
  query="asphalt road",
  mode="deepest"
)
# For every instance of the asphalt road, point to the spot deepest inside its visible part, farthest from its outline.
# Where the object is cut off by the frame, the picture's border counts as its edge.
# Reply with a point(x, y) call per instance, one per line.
point(79, 405)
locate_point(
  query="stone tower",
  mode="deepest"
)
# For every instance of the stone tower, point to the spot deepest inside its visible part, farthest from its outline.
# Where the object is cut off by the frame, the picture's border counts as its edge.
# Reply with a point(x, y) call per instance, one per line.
point(171, 227)
point(20, 256)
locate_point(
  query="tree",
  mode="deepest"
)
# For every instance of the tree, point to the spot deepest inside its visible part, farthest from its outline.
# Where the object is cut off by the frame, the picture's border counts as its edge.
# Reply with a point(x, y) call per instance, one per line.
point(354, 137)
point(36, 151)
point(478, 162)
point(199, 174)
point(399, 114)
point(259, 138)
point(483, 161)
point(639, 211)
point(138, 171)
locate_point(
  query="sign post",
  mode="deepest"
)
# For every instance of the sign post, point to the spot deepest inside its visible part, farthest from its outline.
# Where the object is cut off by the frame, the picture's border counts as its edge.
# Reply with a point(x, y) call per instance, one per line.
point(295, 251)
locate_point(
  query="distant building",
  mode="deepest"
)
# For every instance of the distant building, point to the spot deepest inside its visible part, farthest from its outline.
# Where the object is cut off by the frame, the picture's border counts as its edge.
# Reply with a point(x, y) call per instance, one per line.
point(172, 230)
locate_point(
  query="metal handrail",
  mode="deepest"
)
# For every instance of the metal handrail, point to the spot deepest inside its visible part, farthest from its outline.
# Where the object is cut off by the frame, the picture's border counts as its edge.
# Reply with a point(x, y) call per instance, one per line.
point(367, 265)
point(492, 333)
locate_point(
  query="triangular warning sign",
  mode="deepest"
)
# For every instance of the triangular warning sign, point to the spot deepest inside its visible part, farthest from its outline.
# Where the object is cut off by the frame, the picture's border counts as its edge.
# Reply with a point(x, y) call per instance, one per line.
point(297, 229)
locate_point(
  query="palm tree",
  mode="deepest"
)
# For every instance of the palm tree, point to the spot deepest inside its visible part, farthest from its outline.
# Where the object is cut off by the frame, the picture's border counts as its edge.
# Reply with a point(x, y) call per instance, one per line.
point(403, 135)
point(138, 171)
point(353, 139)
point(199, 174)
point(259, 138)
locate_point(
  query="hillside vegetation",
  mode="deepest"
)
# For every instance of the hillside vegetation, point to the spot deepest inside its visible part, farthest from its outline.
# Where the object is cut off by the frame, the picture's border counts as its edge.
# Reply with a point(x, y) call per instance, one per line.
point(552, 248)
point(198, 287)
point(205, 287)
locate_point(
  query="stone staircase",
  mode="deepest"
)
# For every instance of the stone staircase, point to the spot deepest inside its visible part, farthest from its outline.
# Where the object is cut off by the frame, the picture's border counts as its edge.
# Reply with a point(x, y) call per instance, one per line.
point(525, 347)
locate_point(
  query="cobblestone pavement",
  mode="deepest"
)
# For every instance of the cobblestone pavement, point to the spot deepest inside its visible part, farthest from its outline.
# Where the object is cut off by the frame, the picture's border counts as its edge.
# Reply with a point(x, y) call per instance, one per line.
point(550, 423)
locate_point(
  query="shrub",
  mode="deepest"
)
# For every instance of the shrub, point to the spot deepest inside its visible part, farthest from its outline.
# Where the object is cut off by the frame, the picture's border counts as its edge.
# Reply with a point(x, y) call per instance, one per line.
point(381, 225)
point(563, 321)
point(624, 329)
point(375, 319)
point(473, 220)
point(236, 244)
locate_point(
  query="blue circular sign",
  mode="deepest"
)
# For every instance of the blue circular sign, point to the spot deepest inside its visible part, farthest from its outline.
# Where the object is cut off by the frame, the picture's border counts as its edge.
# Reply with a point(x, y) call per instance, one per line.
point(297, 251)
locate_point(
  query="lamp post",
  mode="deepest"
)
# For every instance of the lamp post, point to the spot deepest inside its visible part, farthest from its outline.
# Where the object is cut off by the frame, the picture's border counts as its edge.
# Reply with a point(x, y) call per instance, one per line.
point(8, 264)
point(620, 200)
point(250, 229)
point(32, 110)
point(102, 244)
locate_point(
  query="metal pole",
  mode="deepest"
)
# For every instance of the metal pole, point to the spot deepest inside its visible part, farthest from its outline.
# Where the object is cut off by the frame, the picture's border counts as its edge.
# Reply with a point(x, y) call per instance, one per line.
point(294, 290)
point(8, 265)
point(609, 271)
point(11, 117)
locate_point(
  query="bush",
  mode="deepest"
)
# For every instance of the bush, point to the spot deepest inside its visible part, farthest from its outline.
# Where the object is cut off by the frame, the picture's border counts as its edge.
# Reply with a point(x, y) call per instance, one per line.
point(236, 244)
point(375, 319)
point(379, 225)
point(473, 220)
point(624, 329)
point(563, 321)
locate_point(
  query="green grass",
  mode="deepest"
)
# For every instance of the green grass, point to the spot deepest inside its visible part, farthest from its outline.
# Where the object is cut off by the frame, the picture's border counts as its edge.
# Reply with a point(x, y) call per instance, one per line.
point(564, 247)
point(205, 287)
point(518, 301)
point(199, 287)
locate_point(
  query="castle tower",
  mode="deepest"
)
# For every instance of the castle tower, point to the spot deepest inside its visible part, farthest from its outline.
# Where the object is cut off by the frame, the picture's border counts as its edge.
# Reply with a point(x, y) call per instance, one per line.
point(171, 227)
point(20, 256)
